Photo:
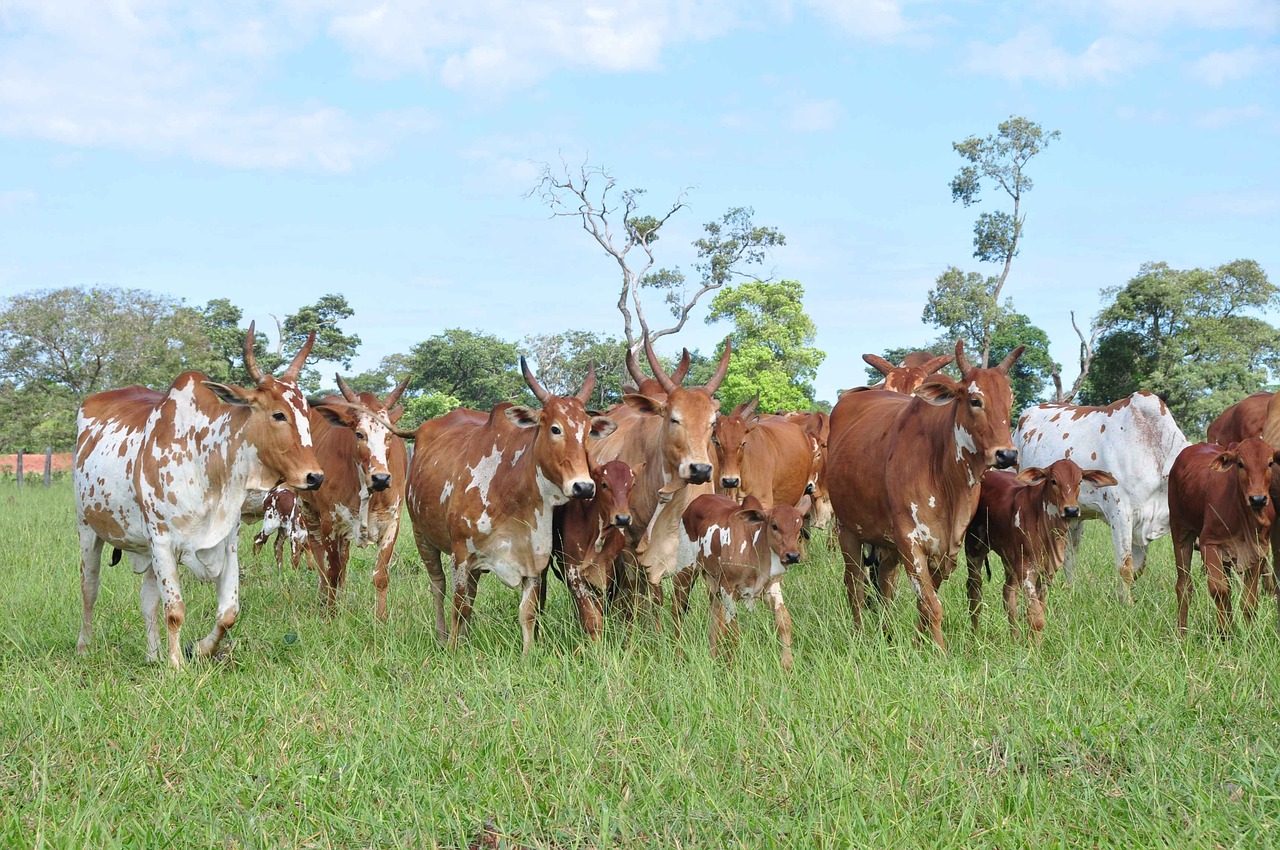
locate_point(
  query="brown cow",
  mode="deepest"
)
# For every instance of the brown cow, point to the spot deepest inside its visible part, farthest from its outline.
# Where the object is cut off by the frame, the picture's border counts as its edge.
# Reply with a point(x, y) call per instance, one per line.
point(587, 539)
point(910, 373)
point(743, 550)
point(1220, 498)
point(1242, 420)
point(1023, 518)
point(365, 465)
point(164, 475)
point(280, 516)
point(817, 427)
point(905, 472)
point(483, 489)
point(768, 457)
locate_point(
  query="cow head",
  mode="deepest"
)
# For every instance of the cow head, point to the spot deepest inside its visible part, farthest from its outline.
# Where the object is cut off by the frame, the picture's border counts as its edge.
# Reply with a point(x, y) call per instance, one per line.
point(560, 442)
point(688, 415)
point(1251, 460)
point(278, 426)
point(1061, 485)
point(729, 437)
point(981, 401)
point(911, 373)
point(782, 524)
point(370, 421)
point(614, 481)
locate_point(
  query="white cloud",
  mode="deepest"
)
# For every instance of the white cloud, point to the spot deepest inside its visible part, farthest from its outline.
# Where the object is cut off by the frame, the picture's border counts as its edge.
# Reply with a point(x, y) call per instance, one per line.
point(14, 198)
point(1225, 66)
point(1228, 116)
point(1147, 15)
point(1032, 55)
point(873, 20)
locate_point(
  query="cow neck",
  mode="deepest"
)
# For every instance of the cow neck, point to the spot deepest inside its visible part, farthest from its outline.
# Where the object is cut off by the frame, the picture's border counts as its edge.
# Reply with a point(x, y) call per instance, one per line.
point(959, 475)
point(335, 452)
point(523, 471)
point(1046, 525)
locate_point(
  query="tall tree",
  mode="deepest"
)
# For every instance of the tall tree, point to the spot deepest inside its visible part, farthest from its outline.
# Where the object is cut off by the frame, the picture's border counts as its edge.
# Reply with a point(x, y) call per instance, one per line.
point(773, 351)
point(477, 369)
point(1196, 337)
point(613, 219)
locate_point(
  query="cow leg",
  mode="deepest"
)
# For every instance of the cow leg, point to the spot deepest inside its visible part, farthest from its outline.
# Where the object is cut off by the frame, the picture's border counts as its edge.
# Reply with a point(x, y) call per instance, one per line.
point(90, 581)
point(1139, 558)
point(976, 560)
point(529, 609)
point(381, 569)
point(464, 594)
point(228, 603)
point(927, 602)
point(724, 622)
point(716, 615)
point(782, 618)
point(1219, 587)
point(1122, 541)
point(855, 574)
point(1075, 534)
point(279, 548)
point(151, 613)
point(1184, 588)
point(165, 567)
point(435, 569)
point(334, 573)
point(585, 600)
point(1249, 599)
point(1010, 591)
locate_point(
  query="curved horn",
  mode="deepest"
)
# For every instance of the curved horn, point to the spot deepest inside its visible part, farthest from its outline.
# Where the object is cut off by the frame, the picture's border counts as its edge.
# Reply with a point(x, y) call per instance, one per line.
point(299, 359)
point(668, 385)
point(940, 362)
point(682, 368)
point(1010, 358)
point(346, 391)
point(884, 367)
point(250, 362)
point(588, 386)
point(539, 391)
point(714, 383)
point(961, 363)
point(633, 368)
point(391, 400)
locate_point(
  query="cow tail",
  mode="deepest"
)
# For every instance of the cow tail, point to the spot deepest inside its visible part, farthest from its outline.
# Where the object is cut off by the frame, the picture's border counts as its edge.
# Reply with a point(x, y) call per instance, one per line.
point(986, 562)
point(115, 556)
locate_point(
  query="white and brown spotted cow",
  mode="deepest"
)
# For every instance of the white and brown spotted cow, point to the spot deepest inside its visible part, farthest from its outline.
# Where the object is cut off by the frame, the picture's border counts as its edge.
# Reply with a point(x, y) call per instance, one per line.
point(281, 517)
point(163, 476)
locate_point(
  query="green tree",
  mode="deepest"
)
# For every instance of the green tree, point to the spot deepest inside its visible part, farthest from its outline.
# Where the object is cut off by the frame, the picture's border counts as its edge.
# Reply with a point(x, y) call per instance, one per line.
point(1195, 337)
point(773, 348)
point(564, 359)
point(420, 408)
point(476, 368)
point(384, 377)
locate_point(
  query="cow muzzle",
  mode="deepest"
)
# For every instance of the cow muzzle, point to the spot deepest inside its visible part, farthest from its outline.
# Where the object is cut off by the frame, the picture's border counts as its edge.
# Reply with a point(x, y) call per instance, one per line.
point(1006, 458)
point(621, 520)
point(699, 473)
point(314, 480)
point(380, 482)
point(1071, 513)
point(730, 483)
point(1258, 502)
point(583, 490)
point(791, 558)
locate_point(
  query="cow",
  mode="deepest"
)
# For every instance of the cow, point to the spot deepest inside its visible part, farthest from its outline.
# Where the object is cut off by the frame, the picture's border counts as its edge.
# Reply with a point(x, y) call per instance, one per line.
point(817, 427)
point(768, 457)
point(483, 488)
point(1137, 441)
point(742, 551)
point(365, 465)
point(905, 473)
point(666, 439)
point(1220, 499)
point(910, 373)
point(1246, 418)
point(587, 538)
point(281, 517)
point(1023, 518)
point(163, 476)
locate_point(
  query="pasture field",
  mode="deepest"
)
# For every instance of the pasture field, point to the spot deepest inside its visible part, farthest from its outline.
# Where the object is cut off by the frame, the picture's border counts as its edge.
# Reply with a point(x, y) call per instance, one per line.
point(343, 732)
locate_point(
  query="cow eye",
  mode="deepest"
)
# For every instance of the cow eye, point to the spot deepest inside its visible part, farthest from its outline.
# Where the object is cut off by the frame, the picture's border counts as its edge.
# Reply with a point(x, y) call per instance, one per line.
point(744, 445)
point(715, 439)
point(1240, 464)
point(360, 435)
point(555, 429)
point(775, 526)
point(975, 402)
point(675, 421)
point(279, 417)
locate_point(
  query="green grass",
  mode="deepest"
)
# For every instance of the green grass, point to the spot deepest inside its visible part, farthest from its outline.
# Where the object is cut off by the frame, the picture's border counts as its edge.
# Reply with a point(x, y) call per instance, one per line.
point(359, 734)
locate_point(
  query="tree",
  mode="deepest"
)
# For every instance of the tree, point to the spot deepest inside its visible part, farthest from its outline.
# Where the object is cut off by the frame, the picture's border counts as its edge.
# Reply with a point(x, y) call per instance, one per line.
point(564, 359)
point(477, 369)
point(1195, 337)
point(729, 244)
point(773, 350)
point(1000, 160)
point(381, 379)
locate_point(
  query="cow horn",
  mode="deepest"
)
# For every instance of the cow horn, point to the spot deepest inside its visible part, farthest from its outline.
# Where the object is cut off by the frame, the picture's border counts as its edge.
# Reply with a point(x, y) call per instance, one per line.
point(299, 359)
point(1010, 358)
point(346, 391)
point(250, 362)
point(718, 377)
point(588, 386)
point(668, 385)
point(397, 392)
point(940, 362)
point(961, 363)
point(884, 367)
point(539, 391)
point(633, 368)
point(682, 368)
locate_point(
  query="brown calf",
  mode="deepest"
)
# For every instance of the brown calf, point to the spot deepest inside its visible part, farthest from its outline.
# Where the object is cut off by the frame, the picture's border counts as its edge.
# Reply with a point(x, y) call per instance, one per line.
point(281, 517)
point(769, 457)
point(1023, 518)
point(1221, 498)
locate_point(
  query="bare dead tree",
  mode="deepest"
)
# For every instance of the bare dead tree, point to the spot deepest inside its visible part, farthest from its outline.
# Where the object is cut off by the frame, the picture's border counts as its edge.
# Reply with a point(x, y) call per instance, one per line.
point(1086, 360)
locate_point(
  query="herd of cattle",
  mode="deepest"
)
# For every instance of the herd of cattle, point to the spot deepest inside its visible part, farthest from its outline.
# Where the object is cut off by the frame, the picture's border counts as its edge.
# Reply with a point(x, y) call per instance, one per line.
point(663, 485)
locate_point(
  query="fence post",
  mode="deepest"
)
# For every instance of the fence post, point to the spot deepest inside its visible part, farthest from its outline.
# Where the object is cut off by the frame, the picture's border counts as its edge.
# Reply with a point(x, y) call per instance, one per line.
point(48, 466)
point(18, 468)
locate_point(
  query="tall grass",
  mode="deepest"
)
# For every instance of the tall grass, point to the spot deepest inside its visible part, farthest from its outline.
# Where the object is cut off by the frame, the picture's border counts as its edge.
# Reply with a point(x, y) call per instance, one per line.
point(342, 732)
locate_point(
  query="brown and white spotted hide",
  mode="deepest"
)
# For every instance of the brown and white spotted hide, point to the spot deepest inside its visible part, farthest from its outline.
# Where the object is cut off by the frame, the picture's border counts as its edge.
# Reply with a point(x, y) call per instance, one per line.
point(483, 490)
point(1221, 499)
point(164, 476)
point(913, 371)
point(281, 517)
point(1023, 518)
point(587, 538)
point(905, 473)
point(742, 552)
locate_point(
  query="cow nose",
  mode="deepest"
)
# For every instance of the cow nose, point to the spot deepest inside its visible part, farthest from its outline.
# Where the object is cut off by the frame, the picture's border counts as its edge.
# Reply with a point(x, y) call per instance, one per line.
point(622, 520)
point(583, 489)
point(730, 483)
point(1071, 513)
point(699, 473)
point(792, 558)
point(1006, 458)
point(381, 481)
point(314, 480)
point(1258, 501)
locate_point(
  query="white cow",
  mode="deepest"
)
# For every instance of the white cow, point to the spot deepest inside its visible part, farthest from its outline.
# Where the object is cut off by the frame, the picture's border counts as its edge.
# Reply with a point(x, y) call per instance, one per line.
point(1137, 441)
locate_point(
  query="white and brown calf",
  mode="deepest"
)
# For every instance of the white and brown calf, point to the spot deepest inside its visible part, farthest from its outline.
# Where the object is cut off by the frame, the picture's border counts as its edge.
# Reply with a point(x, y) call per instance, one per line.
point(280, 516)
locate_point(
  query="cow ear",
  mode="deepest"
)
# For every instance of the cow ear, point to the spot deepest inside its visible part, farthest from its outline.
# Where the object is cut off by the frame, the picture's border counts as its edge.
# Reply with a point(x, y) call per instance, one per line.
point(229, 394)
point(1224, 461)
point(805, 503)
point(522, 417)
point(938, 391)
point(753, 515)
point(1275, 458)
point(751, 503)
point(1031, 475)
point(602, 426)
point(644, 403)
point(1102, 478)
point(336, 415)
point(804, 532)
point(394, 414)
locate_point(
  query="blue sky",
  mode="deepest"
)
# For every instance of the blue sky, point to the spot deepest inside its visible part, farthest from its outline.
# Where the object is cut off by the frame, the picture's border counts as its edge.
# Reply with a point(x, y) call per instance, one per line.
point(273, 152)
